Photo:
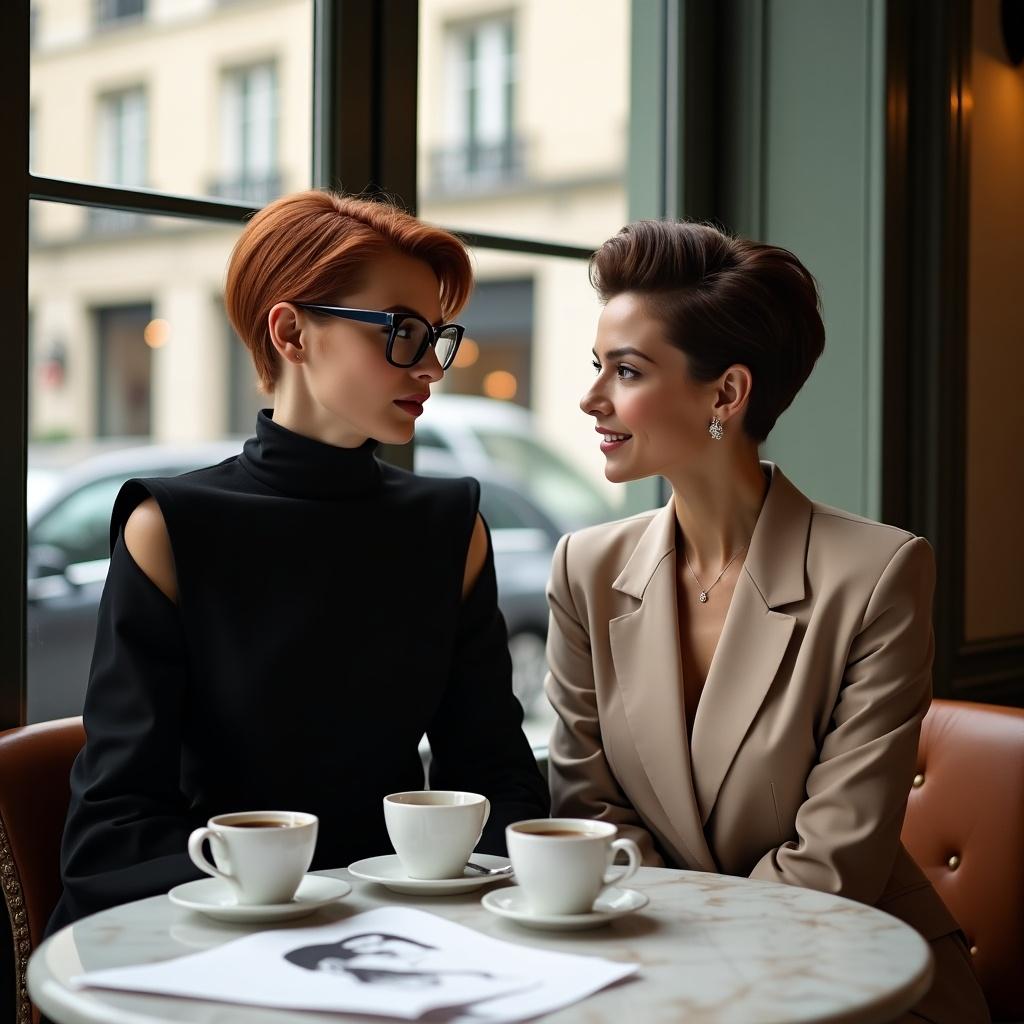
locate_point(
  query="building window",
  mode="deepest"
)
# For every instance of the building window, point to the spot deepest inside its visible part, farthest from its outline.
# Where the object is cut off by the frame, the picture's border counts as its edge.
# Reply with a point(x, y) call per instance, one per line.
point(248, 151)
point(481, 147)
point(122, 145)
point(113, 12)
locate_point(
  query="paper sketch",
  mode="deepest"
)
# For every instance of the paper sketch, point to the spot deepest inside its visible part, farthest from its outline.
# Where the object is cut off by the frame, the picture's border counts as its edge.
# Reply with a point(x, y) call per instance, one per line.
point(392, 961)
point(377, 958)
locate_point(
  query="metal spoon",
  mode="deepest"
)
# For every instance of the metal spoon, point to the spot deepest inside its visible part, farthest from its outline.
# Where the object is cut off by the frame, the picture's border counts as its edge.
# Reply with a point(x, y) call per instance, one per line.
point(490, 872)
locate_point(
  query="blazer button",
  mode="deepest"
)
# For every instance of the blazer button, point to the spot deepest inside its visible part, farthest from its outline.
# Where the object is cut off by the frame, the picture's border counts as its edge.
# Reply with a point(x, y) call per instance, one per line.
point(918, 780)
point(953, 862)
point(974, 950)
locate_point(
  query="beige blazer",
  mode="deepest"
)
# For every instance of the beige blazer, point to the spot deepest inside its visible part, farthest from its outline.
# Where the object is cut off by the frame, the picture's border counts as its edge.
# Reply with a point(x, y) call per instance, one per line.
point(805, 737)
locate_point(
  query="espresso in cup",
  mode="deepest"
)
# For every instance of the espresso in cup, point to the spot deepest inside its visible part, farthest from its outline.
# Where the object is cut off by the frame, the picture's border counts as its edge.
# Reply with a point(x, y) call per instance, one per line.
point(434, 831)
point(563, 864)
point(262, 855)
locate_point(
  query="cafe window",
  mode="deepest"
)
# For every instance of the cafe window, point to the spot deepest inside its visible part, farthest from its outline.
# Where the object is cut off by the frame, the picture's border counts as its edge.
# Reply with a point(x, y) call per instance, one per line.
point(134, 213)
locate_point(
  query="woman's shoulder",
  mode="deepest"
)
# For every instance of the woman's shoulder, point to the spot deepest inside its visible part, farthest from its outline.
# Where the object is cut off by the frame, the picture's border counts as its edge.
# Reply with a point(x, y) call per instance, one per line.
point(222, 478)
point(853, 549)
point(601, 550)
point(837, 527)
point(404, 485)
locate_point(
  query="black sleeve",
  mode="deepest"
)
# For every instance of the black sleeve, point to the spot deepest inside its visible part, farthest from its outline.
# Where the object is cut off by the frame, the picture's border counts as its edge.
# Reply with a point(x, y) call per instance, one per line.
point(127, 826)
point(476, 739)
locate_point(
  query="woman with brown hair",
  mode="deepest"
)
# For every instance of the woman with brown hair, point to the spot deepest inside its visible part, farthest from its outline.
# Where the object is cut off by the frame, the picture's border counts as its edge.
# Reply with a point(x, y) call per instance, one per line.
point(280, 630)
point(740, 676)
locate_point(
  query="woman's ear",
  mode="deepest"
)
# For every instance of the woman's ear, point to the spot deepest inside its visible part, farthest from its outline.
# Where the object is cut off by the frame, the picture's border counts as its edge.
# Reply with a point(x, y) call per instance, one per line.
point(284, 325)
point(733, 395)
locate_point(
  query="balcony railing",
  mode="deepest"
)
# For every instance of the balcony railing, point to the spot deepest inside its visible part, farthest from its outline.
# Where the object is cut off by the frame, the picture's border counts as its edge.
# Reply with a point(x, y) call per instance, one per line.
point(478, 167)
point(102, 221)
point(248, 189)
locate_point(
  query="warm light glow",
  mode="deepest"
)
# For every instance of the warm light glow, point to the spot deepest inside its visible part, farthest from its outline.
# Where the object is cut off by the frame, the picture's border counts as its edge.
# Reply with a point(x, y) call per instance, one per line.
point(156, 333)
point(468, 354)
point(501, 384)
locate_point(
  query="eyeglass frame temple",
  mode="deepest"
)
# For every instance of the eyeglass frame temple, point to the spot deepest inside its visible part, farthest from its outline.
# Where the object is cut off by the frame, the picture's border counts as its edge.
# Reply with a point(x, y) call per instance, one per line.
point(364, 316)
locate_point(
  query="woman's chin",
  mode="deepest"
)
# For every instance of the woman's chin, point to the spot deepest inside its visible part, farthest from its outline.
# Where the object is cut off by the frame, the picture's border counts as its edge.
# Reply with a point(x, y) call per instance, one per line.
point(391, 434)
point(616, 475)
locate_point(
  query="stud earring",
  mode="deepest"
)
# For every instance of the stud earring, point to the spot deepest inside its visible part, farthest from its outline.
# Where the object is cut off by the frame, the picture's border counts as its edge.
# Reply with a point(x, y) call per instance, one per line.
point(715, 429)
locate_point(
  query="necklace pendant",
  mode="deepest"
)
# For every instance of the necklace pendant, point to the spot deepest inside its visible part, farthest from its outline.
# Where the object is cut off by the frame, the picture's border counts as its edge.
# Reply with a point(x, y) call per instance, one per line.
point(703, 597)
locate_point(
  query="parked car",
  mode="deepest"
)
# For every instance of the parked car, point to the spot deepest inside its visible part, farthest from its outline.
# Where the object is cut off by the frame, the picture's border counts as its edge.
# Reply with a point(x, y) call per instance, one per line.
point(70, 499)
point(479, 436)
point(68, 507)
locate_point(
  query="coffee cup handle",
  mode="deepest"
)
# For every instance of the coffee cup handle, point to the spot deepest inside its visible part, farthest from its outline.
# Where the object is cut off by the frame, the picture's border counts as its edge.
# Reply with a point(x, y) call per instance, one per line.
point(487, 814)
point(632, 851)
point(195, 851)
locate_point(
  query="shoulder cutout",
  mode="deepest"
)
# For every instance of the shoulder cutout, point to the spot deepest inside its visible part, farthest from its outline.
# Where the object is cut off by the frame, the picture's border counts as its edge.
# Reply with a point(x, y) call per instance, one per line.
point(147, 540)
point(475, 556)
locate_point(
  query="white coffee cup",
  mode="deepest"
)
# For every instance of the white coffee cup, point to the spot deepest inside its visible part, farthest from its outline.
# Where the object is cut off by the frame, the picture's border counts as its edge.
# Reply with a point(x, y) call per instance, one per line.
point(562, 864)
point(434, 831)
point(262, 855)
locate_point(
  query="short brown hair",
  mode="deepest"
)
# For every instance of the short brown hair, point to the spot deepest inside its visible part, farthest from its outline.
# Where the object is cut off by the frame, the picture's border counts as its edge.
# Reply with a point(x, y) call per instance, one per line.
point(309, 246)
point(722, 300)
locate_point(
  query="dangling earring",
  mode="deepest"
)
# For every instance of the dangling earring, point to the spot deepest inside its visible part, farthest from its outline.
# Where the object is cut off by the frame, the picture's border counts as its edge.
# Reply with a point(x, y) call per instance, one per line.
point(716, 430)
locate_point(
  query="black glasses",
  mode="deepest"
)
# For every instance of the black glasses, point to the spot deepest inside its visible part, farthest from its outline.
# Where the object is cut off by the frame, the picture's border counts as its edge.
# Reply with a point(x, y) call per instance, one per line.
point(409, 335)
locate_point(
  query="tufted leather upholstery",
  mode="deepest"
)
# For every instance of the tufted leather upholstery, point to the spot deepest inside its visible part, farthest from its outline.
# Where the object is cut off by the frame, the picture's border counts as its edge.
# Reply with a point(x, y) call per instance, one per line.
point(35, 767)
point(965, 828)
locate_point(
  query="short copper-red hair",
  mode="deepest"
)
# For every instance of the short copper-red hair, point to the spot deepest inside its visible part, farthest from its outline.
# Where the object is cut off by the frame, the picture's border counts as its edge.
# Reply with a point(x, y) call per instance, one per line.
point(314, 246)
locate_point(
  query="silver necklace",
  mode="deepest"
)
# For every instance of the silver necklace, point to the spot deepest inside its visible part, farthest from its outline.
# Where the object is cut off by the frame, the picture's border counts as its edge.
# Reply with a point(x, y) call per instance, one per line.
point(704, 591)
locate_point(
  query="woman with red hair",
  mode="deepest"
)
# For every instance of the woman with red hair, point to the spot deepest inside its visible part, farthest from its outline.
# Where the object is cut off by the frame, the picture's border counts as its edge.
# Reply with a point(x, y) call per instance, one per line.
point(281, 630)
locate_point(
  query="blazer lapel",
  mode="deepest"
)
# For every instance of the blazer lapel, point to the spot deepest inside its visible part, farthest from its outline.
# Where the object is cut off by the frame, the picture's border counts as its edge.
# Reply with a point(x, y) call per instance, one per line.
point(645, 652)
point(754, 639)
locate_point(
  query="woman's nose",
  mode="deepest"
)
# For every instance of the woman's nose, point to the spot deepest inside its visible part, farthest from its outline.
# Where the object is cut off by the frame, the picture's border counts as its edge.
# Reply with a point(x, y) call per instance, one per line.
point(429, 367)
point(593, 402)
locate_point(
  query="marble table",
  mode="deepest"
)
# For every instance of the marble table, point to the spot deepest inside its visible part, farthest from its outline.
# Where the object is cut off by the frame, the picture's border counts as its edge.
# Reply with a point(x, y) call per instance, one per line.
point(712, 949)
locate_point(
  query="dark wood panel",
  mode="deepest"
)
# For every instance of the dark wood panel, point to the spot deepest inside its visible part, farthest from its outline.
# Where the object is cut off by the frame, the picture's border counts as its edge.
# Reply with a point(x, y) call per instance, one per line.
point(925, 324)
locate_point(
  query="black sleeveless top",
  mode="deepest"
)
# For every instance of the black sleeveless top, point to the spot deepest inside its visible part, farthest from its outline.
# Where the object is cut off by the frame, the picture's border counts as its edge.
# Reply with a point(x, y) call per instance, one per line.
point(319, 632)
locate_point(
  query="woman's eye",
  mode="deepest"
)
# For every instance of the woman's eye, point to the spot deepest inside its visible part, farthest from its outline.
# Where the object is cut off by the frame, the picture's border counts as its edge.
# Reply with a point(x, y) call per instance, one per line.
point(627, 373)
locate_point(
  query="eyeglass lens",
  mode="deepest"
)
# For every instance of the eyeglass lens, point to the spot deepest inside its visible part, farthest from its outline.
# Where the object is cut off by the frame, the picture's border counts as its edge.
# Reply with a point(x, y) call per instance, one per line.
point(412, 337)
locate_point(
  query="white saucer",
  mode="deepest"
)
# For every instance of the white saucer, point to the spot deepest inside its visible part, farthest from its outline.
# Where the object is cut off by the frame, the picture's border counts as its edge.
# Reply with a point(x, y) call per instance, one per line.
point(216, 898)
point(612, 903)
point(387, 871)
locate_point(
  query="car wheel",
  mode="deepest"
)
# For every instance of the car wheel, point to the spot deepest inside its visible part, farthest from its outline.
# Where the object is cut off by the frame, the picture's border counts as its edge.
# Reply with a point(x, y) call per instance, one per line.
point(529, 665)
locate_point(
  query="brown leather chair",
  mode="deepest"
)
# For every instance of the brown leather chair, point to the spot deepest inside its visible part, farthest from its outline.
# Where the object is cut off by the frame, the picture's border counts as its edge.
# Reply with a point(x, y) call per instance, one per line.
point(35, 766)
point(965, 827)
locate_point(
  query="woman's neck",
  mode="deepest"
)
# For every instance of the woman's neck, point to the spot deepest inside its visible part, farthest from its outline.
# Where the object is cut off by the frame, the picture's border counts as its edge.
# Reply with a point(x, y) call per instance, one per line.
point(717, 506)
point(295, 410)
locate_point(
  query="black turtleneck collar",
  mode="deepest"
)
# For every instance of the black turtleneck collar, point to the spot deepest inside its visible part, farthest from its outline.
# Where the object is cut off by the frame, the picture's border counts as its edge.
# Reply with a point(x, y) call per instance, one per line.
point(304, 468)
